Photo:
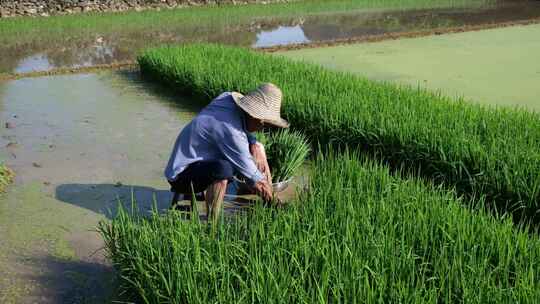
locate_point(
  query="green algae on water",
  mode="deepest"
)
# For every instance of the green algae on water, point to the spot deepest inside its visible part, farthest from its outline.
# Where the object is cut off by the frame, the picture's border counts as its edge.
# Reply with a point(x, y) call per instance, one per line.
point(493, 67)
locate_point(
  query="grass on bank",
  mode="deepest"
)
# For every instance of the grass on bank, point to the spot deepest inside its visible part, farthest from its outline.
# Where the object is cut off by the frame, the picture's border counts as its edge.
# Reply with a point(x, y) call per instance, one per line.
point(6, 177)
point(22, 30)
point(358, 236)
point(479, 150)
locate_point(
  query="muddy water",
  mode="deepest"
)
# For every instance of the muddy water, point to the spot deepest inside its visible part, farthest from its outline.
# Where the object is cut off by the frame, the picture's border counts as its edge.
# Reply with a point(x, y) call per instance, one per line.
point(262, 32)
point(78, 144)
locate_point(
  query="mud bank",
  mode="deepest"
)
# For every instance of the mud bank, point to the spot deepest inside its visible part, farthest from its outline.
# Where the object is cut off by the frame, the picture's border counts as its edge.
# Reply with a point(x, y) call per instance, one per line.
point(123, 66)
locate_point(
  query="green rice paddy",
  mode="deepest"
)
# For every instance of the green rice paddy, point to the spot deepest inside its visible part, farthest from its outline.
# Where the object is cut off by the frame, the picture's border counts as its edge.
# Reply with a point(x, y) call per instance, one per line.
point(358, 236)
point(479, 150)
point(498, 66)
point(359, 233)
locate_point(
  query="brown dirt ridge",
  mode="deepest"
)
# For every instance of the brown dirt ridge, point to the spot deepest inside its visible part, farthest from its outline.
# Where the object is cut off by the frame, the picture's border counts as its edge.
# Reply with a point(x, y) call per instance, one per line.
point(124, 65)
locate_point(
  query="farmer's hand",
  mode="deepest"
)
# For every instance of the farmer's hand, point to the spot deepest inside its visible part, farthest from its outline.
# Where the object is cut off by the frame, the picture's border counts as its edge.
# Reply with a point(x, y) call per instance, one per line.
point(264, 189)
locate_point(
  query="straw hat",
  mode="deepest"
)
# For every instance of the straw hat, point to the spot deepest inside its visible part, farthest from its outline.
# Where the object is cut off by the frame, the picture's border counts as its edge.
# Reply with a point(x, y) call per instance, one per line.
point(263, 103)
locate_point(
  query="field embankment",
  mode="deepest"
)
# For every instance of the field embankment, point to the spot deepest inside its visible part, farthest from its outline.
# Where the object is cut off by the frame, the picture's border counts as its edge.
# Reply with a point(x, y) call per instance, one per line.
point(479, 150)
point(359, 235)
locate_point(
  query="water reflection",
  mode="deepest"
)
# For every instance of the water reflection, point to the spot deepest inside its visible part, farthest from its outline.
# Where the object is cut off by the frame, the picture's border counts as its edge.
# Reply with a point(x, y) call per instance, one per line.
point(283, 35)
point(118, 47)
point(82, 54)
point(38, 62)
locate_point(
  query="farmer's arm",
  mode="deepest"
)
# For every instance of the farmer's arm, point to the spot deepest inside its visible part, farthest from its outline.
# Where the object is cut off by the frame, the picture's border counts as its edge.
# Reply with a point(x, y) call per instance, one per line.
point(234, 146)
point(259, 156)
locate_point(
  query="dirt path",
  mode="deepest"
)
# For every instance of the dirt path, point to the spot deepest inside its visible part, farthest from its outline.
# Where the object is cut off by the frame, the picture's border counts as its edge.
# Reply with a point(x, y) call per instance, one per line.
point(77, 143)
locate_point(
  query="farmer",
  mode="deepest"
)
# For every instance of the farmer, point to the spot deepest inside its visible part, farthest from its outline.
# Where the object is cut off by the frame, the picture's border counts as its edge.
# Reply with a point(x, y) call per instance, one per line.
point(217, 145)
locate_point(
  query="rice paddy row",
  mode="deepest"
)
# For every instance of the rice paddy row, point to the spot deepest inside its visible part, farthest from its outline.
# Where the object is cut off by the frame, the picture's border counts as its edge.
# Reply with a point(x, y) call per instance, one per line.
point(481, 151)
point(360, 235)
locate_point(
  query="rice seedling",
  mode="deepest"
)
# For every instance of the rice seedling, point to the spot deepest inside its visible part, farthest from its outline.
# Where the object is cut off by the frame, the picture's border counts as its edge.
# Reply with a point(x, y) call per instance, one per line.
point(360, 235)
point(479, 150)
point(286, 151)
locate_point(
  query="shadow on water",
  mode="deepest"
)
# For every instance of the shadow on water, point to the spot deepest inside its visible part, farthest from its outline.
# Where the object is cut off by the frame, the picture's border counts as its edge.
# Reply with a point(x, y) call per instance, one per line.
point(105, 198)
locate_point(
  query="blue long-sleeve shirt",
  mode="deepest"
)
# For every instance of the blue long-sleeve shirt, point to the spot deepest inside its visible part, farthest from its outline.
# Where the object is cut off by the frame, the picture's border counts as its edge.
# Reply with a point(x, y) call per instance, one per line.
point(217, 132)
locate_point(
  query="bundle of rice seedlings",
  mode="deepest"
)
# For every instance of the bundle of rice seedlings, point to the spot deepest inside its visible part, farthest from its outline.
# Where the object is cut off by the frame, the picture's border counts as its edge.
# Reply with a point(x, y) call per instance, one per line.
point(286, 151)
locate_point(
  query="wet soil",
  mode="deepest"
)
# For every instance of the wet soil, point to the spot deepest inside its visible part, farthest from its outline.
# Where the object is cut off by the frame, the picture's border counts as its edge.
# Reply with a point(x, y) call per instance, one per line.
point(97, 49)
point(80, 144)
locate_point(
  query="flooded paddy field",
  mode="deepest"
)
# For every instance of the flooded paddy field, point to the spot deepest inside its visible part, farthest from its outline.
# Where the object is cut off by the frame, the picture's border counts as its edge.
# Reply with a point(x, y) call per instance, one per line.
point(497, 66)
point(97, 47)
point(78, 144)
